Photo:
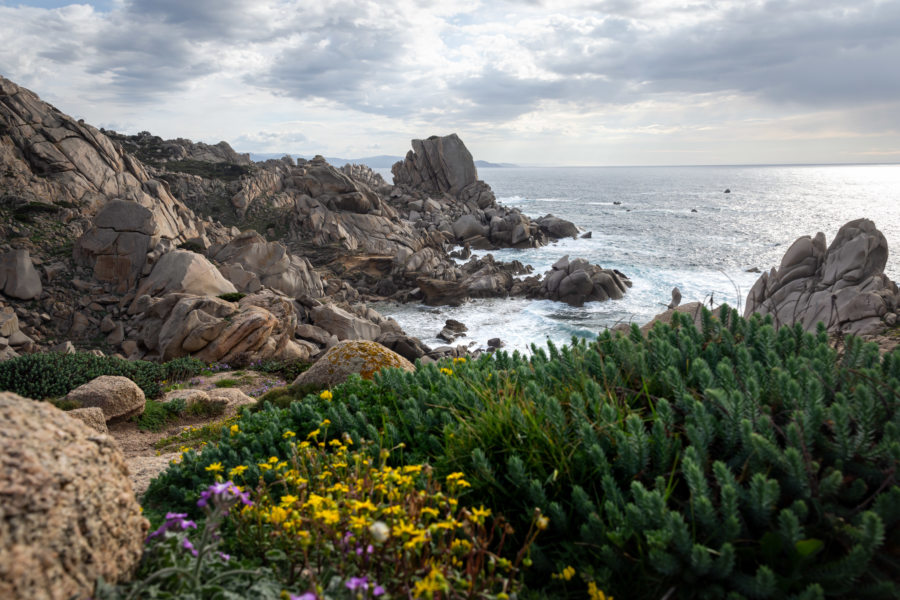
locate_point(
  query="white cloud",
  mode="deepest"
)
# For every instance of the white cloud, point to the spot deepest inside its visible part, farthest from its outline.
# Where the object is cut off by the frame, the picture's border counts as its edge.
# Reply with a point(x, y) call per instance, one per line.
point(598, 80)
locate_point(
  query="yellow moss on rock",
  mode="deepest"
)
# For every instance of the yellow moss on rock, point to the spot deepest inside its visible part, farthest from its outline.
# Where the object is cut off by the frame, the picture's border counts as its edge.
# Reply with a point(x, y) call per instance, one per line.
point(352, 356)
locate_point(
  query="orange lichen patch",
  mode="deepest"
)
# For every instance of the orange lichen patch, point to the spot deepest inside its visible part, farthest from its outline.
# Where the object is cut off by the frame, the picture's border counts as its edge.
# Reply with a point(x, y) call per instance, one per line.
point(352, 356)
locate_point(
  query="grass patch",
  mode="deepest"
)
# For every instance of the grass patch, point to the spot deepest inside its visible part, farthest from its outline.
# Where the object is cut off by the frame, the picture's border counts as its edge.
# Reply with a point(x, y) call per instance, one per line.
point(193, 437)
point(227, 383)
point(157, 415)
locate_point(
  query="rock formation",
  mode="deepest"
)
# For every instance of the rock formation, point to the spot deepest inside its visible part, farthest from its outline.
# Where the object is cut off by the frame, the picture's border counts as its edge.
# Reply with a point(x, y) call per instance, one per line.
point(68, 514)
point(843, 285)
point(576, 282)
point(348, 357)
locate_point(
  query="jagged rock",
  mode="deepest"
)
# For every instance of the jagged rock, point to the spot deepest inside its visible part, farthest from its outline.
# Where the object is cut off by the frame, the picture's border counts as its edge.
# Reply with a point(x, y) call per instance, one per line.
point(69, 512)
point(455, 326)
point(182, 271)
point(91, 416)
point(272, 264)
point(118, 397)
point(351, 356)
point(342, 324)
point(18, 277)
point(468, 226)
point(843, 286)
point(437, 165)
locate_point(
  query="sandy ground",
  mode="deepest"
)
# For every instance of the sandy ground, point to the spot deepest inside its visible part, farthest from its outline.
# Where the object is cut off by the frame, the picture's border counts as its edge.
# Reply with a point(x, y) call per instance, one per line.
point(139, 446)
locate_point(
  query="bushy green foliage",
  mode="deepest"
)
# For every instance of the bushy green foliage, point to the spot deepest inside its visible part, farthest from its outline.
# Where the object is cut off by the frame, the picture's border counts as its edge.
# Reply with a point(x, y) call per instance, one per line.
point(52, 375)
point(735, 461)
point(182, 368)
point(231, 296)
point(157, 414)
point(289, 370)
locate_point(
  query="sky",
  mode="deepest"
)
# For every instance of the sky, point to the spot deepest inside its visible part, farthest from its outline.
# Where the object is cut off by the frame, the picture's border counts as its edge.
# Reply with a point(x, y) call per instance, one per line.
point(537, 82)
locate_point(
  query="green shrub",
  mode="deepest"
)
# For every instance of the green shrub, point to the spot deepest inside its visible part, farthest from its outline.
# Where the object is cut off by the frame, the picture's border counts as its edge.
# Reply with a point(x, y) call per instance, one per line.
point(179, 369)
point(53, 375)
point(289, 370)
point(231, 296)
point(734, 461)
point(226, 383)
point(157, 415)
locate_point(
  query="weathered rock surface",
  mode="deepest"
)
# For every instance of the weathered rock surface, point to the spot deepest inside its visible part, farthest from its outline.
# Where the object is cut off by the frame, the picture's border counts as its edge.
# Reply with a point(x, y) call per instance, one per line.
point(182, 271)
point(68, 514)
point(576, 282)
point(118, 397)
point(343, 324)
point(18, 277)
point(92, 416)
point(352, 356)
point(437, 165)
point(843, 285)
point(268, 264)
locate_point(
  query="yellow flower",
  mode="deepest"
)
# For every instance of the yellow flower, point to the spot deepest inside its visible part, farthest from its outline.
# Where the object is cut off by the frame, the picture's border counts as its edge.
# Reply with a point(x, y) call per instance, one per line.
point(288, 434)
point(455, 476)
point(326, 395)
point(313, 434)
point(446, 371)
point(433, 583)
point(238, 470)
point(595, 593)
point(325, 423)
point(277, 515)
point(542, 522)
point(288, 500)
point(329, 517)
point(567, 574)
point(215, 467)
point(234, 429)
point(478, 514)
point(459, 360)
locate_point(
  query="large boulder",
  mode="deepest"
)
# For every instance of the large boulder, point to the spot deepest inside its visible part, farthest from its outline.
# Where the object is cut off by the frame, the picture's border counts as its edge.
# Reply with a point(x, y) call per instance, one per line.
point(68, 514)
point(351, 356)
point(344, 325)
point(556, 227)
point(576, 282)
point(18, 277)
point(842, 286)
point(437, 165)
point(187, 272)
point(118, 397)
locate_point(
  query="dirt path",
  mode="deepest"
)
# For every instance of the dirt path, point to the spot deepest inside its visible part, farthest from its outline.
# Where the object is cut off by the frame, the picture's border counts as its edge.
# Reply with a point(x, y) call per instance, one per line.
point(139, 447)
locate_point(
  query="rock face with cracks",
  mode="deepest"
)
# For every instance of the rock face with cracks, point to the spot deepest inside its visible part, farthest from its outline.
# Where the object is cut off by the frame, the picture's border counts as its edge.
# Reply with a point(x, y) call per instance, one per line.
point(68, 514)
point(842, 286)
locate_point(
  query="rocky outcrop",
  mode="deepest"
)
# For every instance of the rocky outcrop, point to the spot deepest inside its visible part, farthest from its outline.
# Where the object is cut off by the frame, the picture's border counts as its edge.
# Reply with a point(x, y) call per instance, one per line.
point(251, 263)
point(69, 514)
point(18, 277)
point(437, 165)
point(118, 397)
point(842, 286)
point(182, 271)
point(348, 357)
point(576, 282)
point(259, 325)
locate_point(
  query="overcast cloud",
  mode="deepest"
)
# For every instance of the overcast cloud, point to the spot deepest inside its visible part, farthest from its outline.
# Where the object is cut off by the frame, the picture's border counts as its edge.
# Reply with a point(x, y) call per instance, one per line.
point(602, 82)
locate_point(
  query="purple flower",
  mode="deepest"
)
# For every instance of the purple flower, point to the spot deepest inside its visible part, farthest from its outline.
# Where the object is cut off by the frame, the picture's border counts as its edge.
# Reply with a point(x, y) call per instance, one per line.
point(225, 557)
point(187, 545)
point(306, 596)
point(357, 583)
point(377, 591)
point(224, 495)
point(174, 521)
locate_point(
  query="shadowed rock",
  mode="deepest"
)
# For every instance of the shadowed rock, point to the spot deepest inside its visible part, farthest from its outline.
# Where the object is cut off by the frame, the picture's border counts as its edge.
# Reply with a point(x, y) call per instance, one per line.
point(843, 286)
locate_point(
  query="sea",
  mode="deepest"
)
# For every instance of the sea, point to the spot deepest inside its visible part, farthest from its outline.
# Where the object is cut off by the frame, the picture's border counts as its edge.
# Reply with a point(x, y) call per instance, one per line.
point(663, 227)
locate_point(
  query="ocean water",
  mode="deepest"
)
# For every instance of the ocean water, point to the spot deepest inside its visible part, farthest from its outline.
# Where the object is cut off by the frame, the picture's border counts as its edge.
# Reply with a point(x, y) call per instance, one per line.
point(663, 227)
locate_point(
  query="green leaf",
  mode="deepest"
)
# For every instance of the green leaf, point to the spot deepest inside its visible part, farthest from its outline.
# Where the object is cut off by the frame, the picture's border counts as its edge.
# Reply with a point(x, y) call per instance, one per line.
point(809, 547)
